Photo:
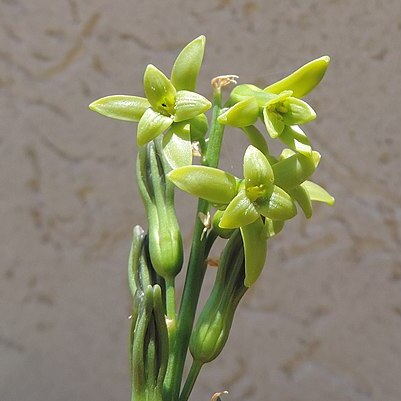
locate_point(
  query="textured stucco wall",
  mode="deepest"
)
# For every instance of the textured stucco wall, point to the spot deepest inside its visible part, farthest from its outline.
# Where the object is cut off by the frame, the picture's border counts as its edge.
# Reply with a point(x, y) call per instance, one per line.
point(324, 321)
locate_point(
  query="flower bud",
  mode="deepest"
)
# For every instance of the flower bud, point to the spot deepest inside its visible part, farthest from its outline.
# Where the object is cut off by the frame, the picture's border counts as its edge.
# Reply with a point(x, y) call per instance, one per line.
point(213, 326)
point(134, 262)
point(149, 347)
point(165, 242)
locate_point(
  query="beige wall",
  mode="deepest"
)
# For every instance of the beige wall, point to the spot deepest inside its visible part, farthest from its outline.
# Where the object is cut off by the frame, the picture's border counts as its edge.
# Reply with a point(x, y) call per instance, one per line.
point(324, 321)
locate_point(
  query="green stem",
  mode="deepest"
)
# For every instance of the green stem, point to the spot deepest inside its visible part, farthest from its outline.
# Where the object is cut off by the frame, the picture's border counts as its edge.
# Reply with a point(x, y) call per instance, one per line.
point(170, 299)
point(211, 237)
point(196, 266)
point(212, 156)
point(189, 383)
point(256, 138)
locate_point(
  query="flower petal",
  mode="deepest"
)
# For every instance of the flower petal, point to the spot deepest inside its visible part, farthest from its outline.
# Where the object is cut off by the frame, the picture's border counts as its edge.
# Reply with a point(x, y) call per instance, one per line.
point(317, 193)
point(199, 126)
point(279, 206)
point(299, 112)
point(159, 90)
point(296, 140)
point(189, 104)
point(177, 147)
point(245, 91)
point(242, 114)
point(274, 123)
point(257, 169)
point(239, 212)
point(254, 237)
point(187, 65)
point(302, 81)
point(301, 195)
point(294, 170)
point(273, 227)
point(151, 125)
point(121, 107)
point(212, 184)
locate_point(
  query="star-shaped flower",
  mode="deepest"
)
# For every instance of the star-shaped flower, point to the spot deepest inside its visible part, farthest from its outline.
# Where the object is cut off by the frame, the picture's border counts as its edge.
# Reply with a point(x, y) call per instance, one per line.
point(279, 105)
point(167, 102)
point(257, 195)
point(285, 110)
point(252, 204)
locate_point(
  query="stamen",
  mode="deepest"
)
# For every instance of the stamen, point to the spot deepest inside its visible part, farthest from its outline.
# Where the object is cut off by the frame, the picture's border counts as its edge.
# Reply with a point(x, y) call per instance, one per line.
point(223, 80)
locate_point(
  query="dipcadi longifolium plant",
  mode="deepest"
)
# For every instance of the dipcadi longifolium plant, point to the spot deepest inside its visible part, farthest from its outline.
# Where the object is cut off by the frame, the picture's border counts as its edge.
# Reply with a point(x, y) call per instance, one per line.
point(246, 211)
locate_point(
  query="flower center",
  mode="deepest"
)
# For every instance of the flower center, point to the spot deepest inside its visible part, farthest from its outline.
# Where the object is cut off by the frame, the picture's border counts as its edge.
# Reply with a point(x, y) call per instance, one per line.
point(256, 192)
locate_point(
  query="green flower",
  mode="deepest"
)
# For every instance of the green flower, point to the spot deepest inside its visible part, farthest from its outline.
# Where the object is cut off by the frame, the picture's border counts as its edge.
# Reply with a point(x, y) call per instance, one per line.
point(167, 106)
point(285, 110)
point(167, 102)
point(255, 204)
point(244, 200)
point(279, 105)
point(257, 196)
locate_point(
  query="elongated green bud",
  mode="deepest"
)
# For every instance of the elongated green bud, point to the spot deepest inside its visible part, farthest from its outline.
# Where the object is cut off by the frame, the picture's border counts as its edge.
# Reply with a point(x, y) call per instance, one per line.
point(134, 260)
point(213, 326)
point(165, 242)
point(149, 352)
point(142, 276)
point(162, 335)
point(139, 334)
point(141, 273)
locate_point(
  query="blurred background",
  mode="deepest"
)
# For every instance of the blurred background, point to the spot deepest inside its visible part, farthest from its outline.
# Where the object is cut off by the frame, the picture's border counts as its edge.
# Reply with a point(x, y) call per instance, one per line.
point(324, 320)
